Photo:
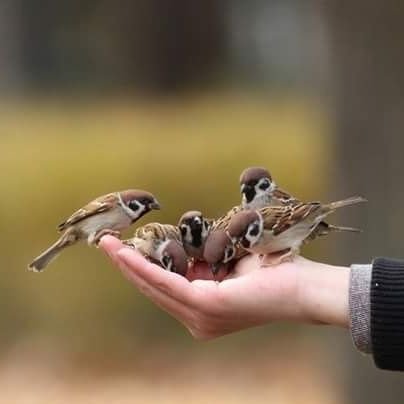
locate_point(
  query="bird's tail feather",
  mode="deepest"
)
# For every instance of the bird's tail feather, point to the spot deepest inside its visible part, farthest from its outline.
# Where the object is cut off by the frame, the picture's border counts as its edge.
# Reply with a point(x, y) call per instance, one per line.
point(344, 228)
point(40, 262)
point(330, 207)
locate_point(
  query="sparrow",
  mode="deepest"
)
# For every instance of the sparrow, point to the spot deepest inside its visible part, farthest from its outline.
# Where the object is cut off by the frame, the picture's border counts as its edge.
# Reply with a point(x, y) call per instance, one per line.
point(161, 243)
point(259, 190)
point(280, 229)
point(108, 214)
point(194, 230)
point(219, 249)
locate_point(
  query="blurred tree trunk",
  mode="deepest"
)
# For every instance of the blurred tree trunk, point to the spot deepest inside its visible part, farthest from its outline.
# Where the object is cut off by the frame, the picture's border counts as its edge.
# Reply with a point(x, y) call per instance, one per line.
point(155, 45)
point(171, 44)
point(367, 51)
point(10, 35)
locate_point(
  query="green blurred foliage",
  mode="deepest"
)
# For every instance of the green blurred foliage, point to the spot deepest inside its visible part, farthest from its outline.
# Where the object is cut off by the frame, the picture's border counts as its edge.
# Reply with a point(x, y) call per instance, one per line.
point(57, 155)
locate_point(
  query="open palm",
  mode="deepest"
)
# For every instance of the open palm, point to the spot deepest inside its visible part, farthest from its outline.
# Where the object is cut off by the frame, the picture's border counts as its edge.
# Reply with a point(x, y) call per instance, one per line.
point(247, 297)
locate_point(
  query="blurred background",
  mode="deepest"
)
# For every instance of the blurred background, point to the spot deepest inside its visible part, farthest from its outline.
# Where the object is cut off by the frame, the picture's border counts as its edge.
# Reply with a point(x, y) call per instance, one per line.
point(177, 98)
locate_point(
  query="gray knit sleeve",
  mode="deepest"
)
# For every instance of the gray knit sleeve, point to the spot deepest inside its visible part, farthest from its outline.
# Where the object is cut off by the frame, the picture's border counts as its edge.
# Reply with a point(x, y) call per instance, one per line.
point(359, 306)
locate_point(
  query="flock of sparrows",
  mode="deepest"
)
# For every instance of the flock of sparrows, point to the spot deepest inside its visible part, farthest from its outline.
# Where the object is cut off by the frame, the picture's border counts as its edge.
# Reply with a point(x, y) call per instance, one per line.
point(269, 222)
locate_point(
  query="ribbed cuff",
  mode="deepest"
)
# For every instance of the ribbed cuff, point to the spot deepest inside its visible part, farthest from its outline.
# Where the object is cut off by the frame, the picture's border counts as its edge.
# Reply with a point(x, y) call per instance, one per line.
point(359, 306)
point(387, 313)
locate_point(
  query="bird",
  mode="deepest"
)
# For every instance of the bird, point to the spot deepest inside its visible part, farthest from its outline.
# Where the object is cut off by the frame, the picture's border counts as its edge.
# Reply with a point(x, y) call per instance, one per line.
point(107, 214)
point(194, 228)
point(219, 250)
point(259, 190)
point(161, 244)
point(280, 229)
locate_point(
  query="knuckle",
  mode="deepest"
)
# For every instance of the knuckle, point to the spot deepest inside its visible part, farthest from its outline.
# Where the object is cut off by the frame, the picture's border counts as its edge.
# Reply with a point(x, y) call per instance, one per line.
point(162, 285)
point(145, 289)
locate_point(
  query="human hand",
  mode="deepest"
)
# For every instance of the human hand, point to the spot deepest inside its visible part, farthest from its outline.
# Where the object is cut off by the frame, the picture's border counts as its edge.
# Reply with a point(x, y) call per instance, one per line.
point(301, 291)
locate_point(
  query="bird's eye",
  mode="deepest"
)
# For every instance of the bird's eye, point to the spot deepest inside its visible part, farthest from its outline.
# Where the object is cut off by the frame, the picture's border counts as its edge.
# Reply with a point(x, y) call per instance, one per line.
point(254, 230)
point(133, 205)
point(144, 201)
point(264, 184)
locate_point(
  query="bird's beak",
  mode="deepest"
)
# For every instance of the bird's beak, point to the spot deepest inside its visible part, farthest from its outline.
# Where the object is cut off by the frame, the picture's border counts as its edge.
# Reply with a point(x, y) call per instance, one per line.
point(155, 205)
point(244, 243)
point(214, 268)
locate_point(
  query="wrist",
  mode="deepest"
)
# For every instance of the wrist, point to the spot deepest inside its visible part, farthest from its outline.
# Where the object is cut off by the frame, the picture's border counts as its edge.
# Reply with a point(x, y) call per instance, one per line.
point(323, 293)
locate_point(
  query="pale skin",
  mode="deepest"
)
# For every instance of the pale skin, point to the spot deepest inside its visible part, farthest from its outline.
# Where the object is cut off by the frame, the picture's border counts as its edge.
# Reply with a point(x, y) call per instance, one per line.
point(299, 291)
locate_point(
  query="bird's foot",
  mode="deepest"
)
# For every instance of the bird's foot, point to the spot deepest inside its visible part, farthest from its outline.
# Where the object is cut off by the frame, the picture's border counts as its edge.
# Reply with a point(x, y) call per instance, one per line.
point(270, 260)
point(99, 235)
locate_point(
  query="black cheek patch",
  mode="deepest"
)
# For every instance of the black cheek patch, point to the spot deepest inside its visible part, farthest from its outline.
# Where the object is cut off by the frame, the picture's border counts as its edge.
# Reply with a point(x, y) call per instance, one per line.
point(254, 231)
point(196, 232)
point(249, 194)
point(230, 254)
point(165, 260)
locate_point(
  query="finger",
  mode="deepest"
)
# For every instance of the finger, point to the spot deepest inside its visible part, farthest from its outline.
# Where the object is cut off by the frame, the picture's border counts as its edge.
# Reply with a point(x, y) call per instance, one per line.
point(110, 245)
point(165, 302)
point(170, 283)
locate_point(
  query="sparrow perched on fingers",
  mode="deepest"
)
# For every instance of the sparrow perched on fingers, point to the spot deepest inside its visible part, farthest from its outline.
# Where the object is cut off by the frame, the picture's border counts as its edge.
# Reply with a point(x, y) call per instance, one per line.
point(220, 251)
point(194, 230)
point(259, 190)
point(276, 229)
point(161, 243)
point(108, 214)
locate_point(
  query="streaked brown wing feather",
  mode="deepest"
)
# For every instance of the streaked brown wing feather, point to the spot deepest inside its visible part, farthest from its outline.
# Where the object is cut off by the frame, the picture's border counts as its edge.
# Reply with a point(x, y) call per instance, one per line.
point(223, 221)
point(101, 204)
point(280, 219)
point(284, 197)
point(158, 231)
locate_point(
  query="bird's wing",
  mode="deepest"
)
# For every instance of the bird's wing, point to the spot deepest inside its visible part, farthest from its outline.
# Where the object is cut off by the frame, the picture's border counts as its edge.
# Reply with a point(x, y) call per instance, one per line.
point(279, 219)
point(173, 232)
point(158, 232)
point(101, 204)
point(223, 221)
point(284, 197)
point(145, 232)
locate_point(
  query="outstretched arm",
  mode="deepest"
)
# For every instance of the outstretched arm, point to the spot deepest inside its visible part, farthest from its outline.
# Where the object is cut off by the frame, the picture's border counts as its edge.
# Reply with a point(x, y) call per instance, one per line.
point(301, 291)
